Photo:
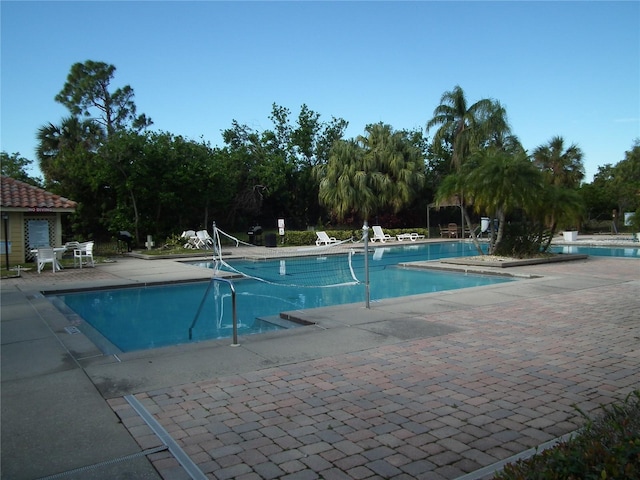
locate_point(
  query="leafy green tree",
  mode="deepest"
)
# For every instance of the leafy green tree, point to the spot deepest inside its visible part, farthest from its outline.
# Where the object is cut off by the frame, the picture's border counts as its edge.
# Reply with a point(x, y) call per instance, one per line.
point(86, 93)
point(277, 166)
point(124, 174)
point(15, 165)
point(177, 188)
point(615, 187)
point(303, 145)
point(626, 180)
point(258, 169)
point(72, 155)
point(599, 197)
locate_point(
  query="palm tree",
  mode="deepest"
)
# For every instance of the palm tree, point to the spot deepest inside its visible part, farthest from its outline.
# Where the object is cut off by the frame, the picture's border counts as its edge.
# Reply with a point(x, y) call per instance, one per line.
point(558, 205)
point(395, 163)
point(495, 130)
point(562, 167)
point(501, 183)
point(461, 126)
point(66, 154)
point(458, 123)
point(345, 186)
point(382, 168)
point(56, 141)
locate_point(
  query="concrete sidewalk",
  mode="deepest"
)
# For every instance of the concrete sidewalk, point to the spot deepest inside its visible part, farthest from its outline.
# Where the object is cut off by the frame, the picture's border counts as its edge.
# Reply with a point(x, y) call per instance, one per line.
point(432, 386)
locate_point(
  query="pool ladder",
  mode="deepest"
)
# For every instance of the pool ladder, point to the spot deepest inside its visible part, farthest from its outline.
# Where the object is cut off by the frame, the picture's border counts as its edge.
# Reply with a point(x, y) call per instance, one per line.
point(233, 307)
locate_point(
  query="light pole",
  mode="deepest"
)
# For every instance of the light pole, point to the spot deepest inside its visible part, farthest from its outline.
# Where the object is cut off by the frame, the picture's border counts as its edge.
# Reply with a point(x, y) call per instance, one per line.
point(365, 232)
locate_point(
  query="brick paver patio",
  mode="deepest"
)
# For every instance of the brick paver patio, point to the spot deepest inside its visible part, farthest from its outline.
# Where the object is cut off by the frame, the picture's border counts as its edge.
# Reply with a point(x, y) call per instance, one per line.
point(511, 378)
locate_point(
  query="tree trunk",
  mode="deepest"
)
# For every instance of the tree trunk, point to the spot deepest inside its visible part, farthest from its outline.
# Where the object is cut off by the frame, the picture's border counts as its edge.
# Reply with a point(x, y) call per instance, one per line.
point(554, 225)
point(474, 238)
point(501, 221)
point(136, 216)
point(206, 216)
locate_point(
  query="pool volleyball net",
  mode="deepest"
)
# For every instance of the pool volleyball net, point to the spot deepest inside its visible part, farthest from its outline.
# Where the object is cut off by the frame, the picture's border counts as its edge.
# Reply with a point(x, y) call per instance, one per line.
point(332, 265)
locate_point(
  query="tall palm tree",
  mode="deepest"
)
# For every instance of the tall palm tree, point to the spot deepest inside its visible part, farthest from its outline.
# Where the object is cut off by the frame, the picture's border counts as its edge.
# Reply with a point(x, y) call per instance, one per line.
point(562, 167)
point(458, 123)
point(461, 126)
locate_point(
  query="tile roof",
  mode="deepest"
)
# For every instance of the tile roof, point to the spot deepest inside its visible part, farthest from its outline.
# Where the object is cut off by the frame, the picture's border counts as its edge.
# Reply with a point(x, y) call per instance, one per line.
point(16, 194)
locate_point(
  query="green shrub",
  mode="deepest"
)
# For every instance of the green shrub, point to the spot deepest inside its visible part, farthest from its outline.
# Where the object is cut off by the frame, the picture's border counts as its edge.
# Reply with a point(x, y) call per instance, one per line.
point(606, 448)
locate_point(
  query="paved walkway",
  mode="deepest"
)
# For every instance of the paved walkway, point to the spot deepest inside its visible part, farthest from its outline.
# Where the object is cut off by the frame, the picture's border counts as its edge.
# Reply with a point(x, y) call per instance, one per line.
point(433, 386)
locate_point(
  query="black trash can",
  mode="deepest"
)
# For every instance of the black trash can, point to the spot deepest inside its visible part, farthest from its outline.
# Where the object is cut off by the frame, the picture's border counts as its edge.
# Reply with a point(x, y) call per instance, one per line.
point(270, 240)
point(126, 238)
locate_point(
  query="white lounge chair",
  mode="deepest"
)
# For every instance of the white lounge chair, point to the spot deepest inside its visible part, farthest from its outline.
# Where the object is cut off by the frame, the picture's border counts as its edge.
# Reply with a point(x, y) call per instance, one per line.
point(378, 234)
point(409, 236)
point(203, 239)
point(324, 239)
point(190, 237)
point(84, 251)
point(44, 256)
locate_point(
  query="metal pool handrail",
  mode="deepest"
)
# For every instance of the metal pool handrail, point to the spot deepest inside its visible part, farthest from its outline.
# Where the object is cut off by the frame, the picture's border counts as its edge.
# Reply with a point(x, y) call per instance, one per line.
point(233, 307)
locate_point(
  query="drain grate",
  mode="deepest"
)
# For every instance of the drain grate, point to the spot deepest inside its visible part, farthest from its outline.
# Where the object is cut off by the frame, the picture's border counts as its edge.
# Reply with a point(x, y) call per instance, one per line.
point(113, 461)
point(72, 330)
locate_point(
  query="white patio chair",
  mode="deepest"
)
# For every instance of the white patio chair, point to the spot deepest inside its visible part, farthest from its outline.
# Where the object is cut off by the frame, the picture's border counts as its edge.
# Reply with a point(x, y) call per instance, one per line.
point(46, 255)
point(190, 237)
point(84, 251)
point(203, 239)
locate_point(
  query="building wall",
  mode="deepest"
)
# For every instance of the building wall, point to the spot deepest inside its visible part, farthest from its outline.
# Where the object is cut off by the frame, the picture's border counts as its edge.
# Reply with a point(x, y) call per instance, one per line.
point(17, 225)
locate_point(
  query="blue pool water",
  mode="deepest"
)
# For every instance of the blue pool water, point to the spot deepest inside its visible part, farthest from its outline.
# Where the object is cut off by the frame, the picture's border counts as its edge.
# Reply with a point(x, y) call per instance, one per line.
point(129, 319)
point(598, 251)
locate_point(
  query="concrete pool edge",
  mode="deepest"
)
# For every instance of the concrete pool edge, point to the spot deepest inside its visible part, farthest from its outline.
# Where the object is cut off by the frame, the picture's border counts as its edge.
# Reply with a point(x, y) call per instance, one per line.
point(515, 262)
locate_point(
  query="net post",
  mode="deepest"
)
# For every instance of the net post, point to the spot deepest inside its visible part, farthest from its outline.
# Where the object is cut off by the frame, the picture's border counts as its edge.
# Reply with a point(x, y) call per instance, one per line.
point(365, 235)
point(216, 240)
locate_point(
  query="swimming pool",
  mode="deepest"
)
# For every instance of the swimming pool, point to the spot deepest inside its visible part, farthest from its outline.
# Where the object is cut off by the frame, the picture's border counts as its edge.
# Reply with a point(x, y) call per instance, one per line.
point(597, 251)
point(129, 319)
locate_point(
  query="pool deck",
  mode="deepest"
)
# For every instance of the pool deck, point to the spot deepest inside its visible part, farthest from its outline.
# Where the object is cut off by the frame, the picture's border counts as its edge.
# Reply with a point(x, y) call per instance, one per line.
point(438, 386)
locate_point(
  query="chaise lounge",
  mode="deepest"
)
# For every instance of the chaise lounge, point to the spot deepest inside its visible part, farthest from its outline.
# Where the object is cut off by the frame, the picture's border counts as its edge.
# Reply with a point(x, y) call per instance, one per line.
point(409, 236)
point(324, 239)
point(378, 234)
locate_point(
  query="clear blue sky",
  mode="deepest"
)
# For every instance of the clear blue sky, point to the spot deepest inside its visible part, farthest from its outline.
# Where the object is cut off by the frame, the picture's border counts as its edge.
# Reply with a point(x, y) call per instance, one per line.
point(560, 68)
